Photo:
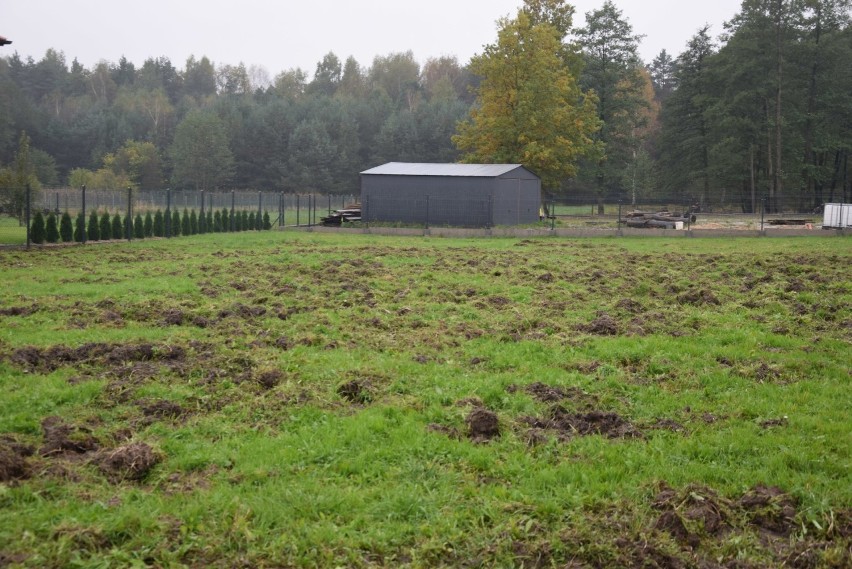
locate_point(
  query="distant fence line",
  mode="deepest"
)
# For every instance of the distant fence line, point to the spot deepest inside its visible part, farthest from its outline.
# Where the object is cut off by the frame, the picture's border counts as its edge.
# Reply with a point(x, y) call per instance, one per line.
point(70, 200)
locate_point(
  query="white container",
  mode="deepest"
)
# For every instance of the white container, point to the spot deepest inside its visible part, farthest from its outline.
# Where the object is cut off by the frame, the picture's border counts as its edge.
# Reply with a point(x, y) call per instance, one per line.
point(837, 216)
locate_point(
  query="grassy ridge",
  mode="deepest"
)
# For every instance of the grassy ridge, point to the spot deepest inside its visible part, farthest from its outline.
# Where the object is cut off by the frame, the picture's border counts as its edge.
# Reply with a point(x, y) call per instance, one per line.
point(311, 400)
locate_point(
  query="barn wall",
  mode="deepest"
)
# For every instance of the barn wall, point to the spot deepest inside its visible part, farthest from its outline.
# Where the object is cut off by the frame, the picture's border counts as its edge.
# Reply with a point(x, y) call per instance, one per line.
point(463, 201)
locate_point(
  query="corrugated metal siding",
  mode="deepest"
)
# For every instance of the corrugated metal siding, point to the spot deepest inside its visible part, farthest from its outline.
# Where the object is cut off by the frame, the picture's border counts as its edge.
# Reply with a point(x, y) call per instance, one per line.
point(509, 195)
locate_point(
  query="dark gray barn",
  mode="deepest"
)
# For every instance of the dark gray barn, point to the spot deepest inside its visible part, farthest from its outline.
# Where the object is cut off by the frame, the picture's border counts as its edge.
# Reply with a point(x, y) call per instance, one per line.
point(465, 195)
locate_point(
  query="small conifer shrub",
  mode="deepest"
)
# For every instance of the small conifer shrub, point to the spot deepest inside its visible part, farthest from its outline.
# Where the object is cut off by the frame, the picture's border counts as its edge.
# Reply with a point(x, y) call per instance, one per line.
point(51, 233)
point(93, 229)
point(80, 228)
point(159, 227)
point(117, 229)
point(138, 227)
point(175, 223)
point(185, 224)
point(149, 224)
point(66, 229)
point(37, 231)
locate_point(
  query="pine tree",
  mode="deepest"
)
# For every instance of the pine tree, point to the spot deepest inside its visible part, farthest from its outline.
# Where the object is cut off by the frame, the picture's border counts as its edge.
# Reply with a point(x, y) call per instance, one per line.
point(37, 231)
point(138, 227)
point(226, 220)
point(66, 229)
point(117, 228)
point(201, 222)
point(210, 220)
point(51, 230)
point(159, 227)
point(127, 227)
point(93, 228)
point(245, 224)
point(217, 222)
point(251, 222)
point(80, 228)
point(267, 224)
point(149, 224)
point(238, 221)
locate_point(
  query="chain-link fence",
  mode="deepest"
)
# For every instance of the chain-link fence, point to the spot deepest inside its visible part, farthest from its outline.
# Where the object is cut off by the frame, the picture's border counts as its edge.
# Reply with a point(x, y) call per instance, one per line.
point(80, 215)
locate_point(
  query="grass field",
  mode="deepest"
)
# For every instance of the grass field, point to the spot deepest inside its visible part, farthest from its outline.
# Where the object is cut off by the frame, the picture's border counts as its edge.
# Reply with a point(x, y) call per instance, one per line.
point(314, 400)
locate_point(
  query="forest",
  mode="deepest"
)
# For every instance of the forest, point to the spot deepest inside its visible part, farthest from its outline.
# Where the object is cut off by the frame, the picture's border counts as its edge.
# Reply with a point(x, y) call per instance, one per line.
point(760, 111)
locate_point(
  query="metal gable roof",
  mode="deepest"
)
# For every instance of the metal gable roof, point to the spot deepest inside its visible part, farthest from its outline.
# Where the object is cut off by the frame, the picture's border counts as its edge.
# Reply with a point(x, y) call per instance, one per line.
point(420, 169)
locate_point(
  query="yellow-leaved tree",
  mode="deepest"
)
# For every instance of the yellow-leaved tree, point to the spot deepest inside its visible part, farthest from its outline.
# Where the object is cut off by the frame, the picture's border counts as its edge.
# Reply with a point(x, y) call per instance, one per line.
point(529, 109)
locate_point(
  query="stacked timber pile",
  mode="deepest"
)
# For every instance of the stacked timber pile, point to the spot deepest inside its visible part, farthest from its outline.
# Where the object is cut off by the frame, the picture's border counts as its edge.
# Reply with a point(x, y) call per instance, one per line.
point(350, 212)
point(658, 220)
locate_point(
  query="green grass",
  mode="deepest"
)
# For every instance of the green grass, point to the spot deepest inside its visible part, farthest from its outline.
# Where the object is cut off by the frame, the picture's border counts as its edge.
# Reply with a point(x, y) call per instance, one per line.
point(11, 232)
point(742, 344)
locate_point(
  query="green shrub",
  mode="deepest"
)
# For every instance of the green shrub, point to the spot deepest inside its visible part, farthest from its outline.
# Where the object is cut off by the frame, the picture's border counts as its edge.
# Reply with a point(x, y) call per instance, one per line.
point(80, 228)
point(267, 224)
point(209, 220)
point(149, 224)
point(185, 224)
point(66, 230)
point(201, 221)
point(252, 224)
point(51, 230)
point(117, 229)
point(138, 227)
point(226, 221)
point(245, 223)
point(175, 224)
point(93, 228)
point(37, 231)
point(105, 227)
point(159, 227)
point(127, 227)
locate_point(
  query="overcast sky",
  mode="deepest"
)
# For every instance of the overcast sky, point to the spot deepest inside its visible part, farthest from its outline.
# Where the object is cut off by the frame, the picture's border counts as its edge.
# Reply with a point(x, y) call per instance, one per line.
point(284, 34)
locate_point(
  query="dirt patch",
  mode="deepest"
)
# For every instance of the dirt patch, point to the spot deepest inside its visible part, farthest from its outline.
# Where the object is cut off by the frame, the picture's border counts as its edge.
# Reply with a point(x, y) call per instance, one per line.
point(172, 317)
point(629, 305)
point(689, 515)
point(482, 425)
point(770, 509)
point(129, 462)
point(46, 360)
point(698, 297)
point(602, 325)
point(356, 391)
point(19, 310)
point(269, 378)
point(568, 425)
point(161, 409)
point(13, 462)
point(62, 438)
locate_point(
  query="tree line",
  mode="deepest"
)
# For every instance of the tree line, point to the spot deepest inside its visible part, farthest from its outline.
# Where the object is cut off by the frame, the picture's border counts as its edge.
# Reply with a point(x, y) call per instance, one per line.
point(764, 109)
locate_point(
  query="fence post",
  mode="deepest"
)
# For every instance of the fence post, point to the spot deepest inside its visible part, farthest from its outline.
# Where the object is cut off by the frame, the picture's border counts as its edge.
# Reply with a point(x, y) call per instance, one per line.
point(552, 216)
point(233, 211)
point(427, 212)
point(619, 215)
point(129, 227)
point(280, 209)
point(83, 231)
point(168, 219)
point(27, 208)
point(763, 211)
point(298, 213)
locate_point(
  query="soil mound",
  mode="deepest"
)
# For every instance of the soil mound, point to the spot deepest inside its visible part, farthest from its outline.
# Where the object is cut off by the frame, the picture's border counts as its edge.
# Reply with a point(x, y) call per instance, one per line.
point(770, 509)
point(596, 422)
point(603, 325)
point(13, 461)
point(356, 391)
point(129, 462)
point(482, 424)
